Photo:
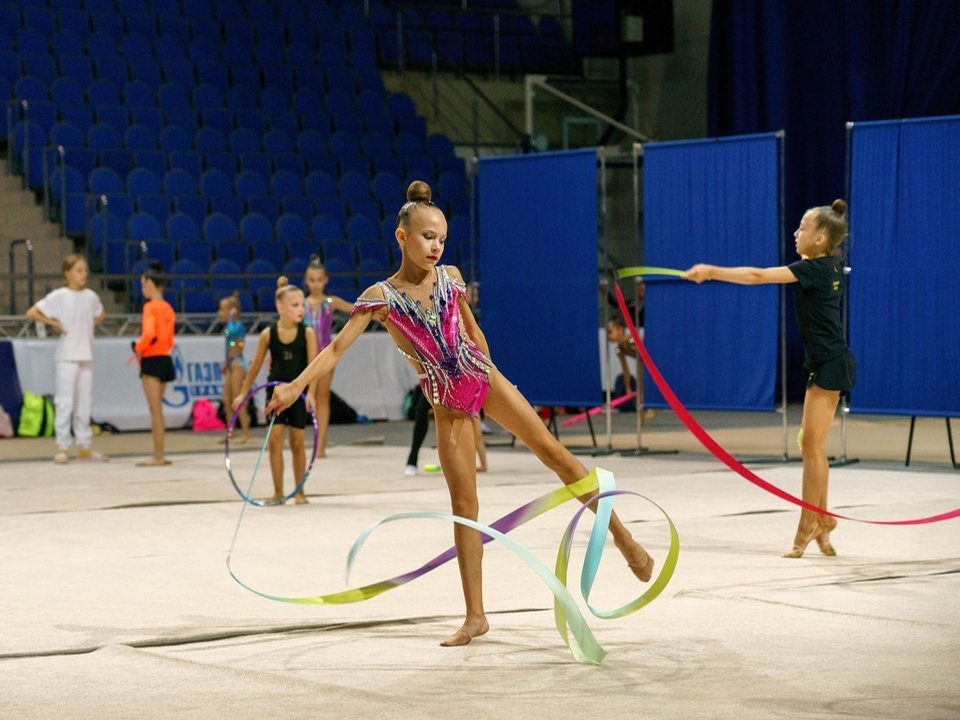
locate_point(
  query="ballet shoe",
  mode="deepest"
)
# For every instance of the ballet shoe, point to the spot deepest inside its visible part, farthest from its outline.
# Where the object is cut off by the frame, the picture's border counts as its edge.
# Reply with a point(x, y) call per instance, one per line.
point(639, 562)
point(801, 541)
point(823, 539)
point(463, 636)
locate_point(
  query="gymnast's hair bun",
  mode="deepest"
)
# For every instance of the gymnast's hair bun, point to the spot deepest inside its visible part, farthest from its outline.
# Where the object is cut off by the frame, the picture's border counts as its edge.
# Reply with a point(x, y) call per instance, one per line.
point(419, 191)
point(282, 281)
point(156, 266)
point(839, 206)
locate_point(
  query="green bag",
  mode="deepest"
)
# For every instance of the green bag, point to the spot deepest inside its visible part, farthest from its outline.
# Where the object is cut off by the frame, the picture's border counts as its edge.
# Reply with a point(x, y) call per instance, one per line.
point(36, 416)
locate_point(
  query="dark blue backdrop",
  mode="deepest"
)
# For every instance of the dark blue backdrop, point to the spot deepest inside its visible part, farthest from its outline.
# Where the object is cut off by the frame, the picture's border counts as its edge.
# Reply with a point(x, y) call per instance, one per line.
point(904, 254)
point(538, 231)
point(718, 202)
point(811, 66)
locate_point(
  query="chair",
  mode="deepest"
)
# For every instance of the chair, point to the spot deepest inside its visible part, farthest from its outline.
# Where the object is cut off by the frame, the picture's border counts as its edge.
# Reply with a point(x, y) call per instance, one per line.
point(387, 188)
point(439, 145)
point(327, 227)
point(243, 140)
point(191, 162)
point(179, 272)
point(230, 205)
point(225, 274)
point(104, 92)
point(295, 268)
point(215, 183)
point(156, 205)
point(361, 227)
point(198, 301)
point(251, 184)
point(175, 139)
point(344, 144)
point(291, 228)
point(148, 116)
point(207, 96)
point(284, 184)
point(139, 138)
point(255, 228)
point(106, 181)
point(338, 251)
point(321, 184)
point(373, 255)
point(178, 182)
point(209, 140)
point(354, 186)
point(264, 205)
point(67, 135)
point(184, 232)
point(452, 186)
point(141, 181)
point(68, 91)
point(268, 272)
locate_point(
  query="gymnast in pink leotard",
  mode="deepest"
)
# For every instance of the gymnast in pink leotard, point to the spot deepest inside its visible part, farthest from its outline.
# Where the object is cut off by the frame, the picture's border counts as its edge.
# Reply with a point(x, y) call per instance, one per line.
point(454, 372)
point(424, 308)
point(318, 309)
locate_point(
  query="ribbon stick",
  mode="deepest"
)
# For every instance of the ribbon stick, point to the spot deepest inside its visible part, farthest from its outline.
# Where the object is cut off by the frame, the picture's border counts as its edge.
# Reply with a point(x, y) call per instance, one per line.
point(714, 447)
point(648, 270)
point(582, 644)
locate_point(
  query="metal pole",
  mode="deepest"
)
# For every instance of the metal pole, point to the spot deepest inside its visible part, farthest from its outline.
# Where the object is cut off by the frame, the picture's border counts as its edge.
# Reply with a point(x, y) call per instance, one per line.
point(601, 155)
point(496, 47)
point(783, 296)
point(26, 144)
point(637, 149)
point(844, 404)
point(63, 193)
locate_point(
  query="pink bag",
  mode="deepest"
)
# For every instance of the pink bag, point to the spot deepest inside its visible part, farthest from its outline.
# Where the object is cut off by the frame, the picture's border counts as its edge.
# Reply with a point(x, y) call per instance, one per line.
point(205, 416)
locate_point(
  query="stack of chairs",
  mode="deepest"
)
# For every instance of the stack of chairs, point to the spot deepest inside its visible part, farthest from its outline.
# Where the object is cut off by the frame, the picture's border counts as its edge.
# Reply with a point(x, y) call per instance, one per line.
point(221, 133)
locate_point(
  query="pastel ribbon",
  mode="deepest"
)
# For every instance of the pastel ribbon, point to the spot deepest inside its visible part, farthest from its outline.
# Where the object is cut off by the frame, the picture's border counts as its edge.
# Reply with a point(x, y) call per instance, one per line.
point(714, 447)
point(273, 417)
point(581, 641)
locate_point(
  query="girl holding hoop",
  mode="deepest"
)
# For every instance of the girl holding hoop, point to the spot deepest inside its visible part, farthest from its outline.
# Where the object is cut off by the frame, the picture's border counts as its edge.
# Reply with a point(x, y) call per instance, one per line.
point(318, 312)
point(292, 346)
point(829, 361)
point(424, 308)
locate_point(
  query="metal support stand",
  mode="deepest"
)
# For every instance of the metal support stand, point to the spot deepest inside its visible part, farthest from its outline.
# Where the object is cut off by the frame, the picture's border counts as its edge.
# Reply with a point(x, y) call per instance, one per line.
point(639, 450)
point(953, 457)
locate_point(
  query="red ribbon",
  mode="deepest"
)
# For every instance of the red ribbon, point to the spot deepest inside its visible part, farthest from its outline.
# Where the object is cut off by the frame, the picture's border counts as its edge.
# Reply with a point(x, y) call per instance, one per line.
point(726, 458)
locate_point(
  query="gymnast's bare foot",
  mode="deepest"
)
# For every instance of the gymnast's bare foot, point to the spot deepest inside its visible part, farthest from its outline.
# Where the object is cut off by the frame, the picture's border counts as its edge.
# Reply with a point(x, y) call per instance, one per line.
point(300, 498)
point(827, 524)
point(639, 562)
point(803, 539)
point(276, 497)
point(470, 630)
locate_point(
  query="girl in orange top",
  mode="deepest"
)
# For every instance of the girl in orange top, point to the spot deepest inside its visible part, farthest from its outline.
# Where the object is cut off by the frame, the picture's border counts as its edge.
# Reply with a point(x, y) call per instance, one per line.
point(153, 352)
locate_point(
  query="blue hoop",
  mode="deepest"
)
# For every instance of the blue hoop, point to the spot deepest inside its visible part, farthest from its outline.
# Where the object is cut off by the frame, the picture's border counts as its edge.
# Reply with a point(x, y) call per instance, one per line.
point(232, 424)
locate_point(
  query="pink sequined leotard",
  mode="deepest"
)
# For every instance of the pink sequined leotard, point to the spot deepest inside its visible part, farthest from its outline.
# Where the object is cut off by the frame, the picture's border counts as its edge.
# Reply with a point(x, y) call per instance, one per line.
point(455, 371)
point(321, 321)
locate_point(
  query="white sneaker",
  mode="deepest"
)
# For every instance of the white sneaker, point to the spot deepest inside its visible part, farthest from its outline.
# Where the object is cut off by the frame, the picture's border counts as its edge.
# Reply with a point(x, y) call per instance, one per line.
point(410, 470)
point(61, 457)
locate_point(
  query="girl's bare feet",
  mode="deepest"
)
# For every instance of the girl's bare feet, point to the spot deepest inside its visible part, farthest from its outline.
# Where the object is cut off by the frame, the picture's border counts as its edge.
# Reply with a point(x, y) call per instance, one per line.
point(801, 541)
point(639, 562)
point(300, 498)
point(468, 632)
point(154, 462)
point(827, 524)
point(274, 498)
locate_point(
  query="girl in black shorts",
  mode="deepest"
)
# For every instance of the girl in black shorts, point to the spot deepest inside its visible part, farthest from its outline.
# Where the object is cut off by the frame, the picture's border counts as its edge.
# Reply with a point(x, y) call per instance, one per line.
point(830, 363)
point(292, 346)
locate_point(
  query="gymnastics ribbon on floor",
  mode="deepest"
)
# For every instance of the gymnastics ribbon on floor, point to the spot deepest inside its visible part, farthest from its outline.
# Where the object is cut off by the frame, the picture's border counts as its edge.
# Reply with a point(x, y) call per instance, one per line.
point(581, 641)
point(708, 442)
point(226, 448)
